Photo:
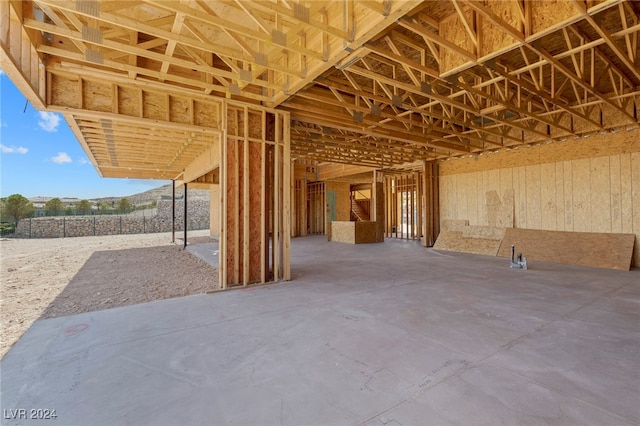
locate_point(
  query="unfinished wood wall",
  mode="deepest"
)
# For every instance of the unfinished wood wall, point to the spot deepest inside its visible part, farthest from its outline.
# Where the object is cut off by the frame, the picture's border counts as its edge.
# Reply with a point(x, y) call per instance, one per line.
point(597, 193)
point(403, 205)
point(299, 208)
point(430, 203)
point(316, 211)
point(255, 196)
point(341, 210)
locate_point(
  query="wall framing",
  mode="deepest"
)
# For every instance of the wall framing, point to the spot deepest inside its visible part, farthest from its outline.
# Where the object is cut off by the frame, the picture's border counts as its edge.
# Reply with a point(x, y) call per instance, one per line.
point(255, 196)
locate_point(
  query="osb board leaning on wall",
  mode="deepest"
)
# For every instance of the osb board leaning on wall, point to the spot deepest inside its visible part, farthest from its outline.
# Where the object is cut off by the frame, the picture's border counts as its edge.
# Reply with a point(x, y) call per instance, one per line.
point(611, 251)
point(581, 185)
point(459, 236)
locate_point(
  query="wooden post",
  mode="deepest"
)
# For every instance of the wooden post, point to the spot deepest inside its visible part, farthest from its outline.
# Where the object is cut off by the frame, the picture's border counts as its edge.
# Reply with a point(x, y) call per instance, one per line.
point(245, 207)
point(419, 196)
point(390, 207)
point(276, 206)
point(224, 171)
point(236, 205)
point(425, 204)
point(173, 211)
point(305, 213)
point(286, 198)
point(377, 206)
point(185, 216)
point(264, 265)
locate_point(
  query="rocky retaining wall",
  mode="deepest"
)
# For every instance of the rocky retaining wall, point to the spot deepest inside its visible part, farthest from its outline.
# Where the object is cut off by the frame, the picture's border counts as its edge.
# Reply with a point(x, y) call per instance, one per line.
point(82, 226)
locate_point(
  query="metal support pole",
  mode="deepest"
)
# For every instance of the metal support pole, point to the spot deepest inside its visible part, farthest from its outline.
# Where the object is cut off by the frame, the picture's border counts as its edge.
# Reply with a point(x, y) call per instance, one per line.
point(173, 211)
point(185, 215)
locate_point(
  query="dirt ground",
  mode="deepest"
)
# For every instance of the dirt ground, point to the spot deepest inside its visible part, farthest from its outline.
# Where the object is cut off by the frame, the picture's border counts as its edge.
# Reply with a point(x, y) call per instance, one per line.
point(45, 278)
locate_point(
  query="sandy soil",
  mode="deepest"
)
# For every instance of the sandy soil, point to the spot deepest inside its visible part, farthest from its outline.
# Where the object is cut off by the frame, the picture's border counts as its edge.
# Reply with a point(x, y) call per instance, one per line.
point(44, 278)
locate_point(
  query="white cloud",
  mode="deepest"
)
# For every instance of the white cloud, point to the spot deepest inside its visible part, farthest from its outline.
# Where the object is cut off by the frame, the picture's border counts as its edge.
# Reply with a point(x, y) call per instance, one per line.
point(61, 158)
point(83, 161)
point(13, 149)
point(49, 121)
point(1, 72)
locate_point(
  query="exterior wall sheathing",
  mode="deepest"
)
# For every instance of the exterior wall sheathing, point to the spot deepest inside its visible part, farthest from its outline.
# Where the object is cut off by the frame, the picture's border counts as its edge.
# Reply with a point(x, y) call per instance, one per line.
point(586, 185)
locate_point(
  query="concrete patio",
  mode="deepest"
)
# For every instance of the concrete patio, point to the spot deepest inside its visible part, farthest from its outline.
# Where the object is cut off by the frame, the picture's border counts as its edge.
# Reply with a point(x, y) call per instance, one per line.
point(379, 334)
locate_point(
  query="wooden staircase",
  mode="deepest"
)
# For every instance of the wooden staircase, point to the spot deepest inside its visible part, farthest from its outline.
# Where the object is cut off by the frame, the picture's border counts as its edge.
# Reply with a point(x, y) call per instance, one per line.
point(360, 210)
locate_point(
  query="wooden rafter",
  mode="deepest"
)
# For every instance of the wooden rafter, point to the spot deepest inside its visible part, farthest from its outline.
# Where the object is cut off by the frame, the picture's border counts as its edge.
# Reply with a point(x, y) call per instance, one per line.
point(396, 81)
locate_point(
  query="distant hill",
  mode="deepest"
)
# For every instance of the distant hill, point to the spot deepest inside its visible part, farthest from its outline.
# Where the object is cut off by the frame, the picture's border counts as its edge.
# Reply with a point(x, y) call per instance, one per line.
point(155, 195)
point(140, 199)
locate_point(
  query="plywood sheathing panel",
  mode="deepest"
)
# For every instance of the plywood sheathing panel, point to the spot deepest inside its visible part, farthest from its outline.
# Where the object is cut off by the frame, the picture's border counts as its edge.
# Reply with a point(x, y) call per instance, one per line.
point(366, 233)
point(493, 37)
point(342, 232)
point(533, 196)
point(180, 110)
point(457, 235)
point(454, 224)
point(453, 30)
point(595, 145)
point(500, 211)
point(549, 13)
point(587, 195)
point(581, 195)
point(600, 250)
point(471, 239)
point(156, 105)
point(600, 194)
point(97, 96)
point(353, 232)
point(129, 101)
point(548, 205)
point(65, 91)
point(206, 114)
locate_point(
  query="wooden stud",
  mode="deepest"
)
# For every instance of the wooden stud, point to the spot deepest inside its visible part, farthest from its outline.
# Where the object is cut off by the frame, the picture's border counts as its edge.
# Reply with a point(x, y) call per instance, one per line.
point(236, 194)
point(287, 179)
point(276, 205)
point(425, 205)
point(263, 216)
point(224, 231)
point(245, 193)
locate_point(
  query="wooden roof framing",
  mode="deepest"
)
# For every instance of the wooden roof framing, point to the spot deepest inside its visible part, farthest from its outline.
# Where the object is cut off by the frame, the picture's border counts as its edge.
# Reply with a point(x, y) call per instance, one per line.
point(373, 83)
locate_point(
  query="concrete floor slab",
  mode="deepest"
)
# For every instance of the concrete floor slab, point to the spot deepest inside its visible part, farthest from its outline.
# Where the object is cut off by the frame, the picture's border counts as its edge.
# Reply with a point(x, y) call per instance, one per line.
point(381, 334)
point(489, 395)
point(205, 251)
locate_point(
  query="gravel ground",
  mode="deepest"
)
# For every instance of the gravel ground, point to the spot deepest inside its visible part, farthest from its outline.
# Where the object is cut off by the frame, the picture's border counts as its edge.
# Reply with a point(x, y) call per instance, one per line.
point(45, 278)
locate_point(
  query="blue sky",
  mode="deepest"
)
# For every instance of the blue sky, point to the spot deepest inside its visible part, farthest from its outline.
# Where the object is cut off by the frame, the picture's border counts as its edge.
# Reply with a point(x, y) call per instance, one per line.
point(40, 156)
